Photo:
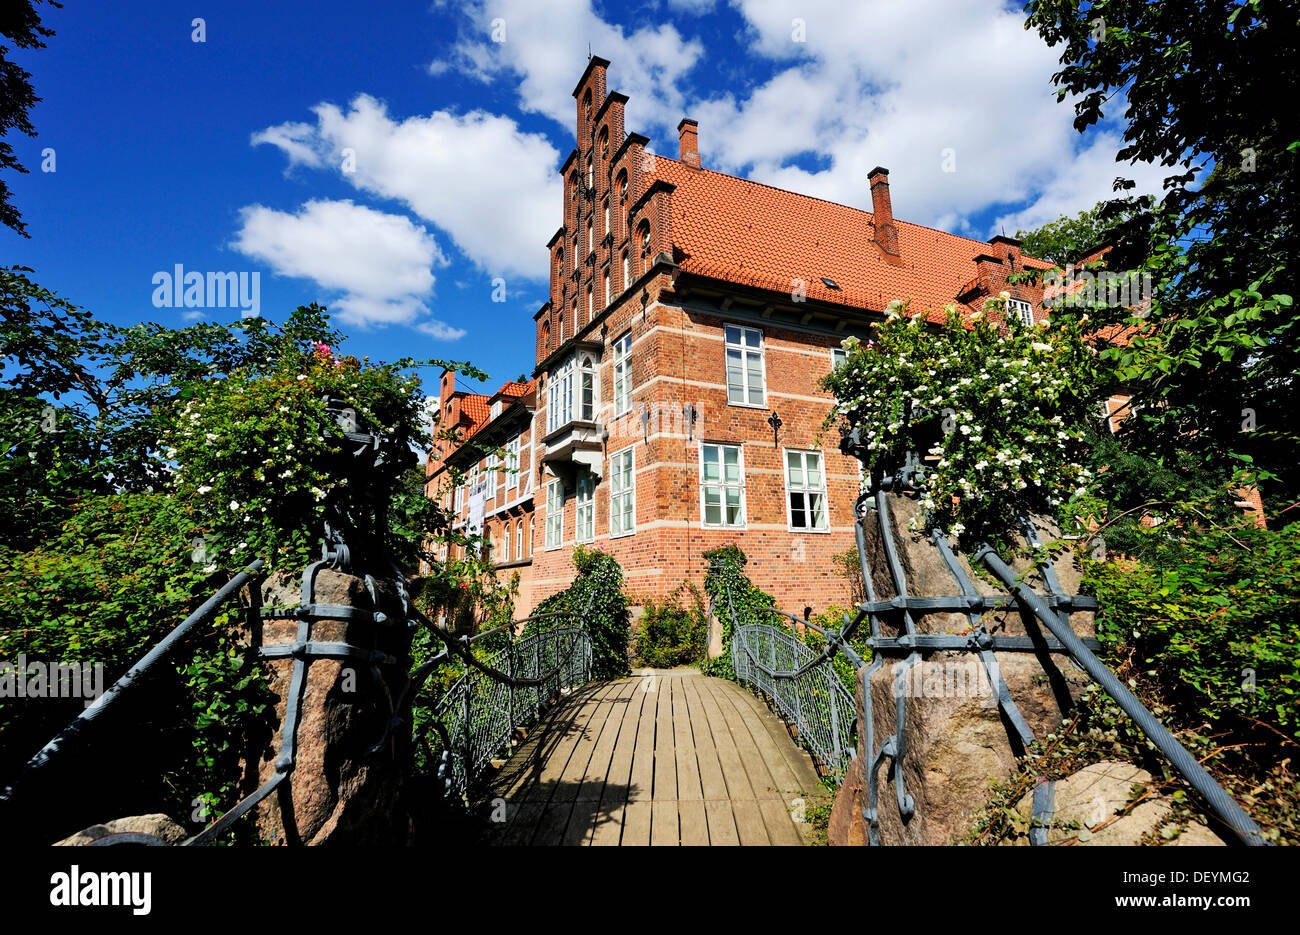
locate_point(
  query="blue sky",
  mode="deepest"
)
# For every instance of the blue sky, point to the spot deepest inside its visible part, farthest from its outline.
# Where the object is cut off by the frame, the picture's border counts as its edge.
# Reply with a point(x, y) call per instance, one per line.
point(393, 160)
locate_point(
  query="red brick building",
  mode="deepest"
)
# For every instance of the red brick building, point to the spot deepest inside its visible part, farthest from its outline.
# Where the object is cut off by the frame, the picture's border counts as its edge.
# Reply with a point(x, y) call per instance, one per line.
point(675, 405)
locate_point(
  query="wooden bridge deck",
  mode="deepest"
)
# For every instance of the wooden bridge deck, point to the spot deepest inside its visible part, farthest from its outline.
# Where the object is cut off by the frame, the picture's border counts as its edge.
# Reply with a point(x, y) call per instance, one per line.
point(663, 758)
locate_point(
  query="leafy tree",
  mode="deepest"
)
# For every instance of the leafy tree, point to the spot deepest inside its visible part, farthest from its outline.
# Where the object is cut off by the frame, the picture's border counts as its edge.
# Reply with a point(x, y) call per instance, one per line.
point(1214, 359)
point(20, 23)
point(1067, 239)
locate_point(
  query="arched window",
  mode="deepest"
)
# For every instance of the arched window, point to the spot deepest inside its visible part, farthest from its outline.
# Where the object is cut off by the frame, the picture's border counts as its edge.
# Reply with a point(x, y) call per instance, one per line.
point(586, 105)
point(627, 271)
point(622, 185)
point(645, 247)
point(604, 144)
point(591, 174)
point(519, 540)
point(573, 186)
point(531, 529)
point(505, 543)
point(546, 335)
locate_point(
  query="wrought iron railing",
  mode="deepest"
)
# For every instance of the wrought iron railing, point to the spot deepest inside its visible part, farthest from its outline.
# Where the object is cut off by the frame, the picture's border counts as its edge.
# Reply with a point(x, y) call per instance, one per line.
point(477, 715)
point(802, 684)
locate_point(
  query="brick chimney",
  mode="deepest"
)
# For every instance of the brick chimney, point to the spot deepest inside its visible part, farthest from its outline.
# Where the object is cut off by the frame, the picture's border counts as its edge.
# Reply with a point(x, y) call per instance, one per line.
point(883, 212)
point(688, 137)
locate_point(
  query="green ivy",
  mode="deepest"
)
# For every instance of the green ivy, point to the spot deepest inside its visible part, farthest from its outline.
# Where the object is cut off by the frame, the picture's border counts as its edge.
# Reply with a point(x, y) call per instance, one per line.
point(671, 635)
point(597, 595)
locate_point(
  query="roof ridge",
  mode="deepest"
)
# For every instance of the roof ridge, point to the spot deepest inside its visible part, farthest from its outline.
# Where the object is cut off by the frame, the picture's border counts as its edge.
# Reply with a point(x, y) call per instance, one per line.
point(827, 201)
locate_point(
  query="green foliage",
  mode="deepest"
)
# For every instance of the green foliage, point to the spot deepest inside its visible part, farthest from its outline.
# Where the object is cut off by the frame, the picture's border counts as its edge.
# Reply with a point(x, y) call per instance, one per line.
point(998, 406)
point(671, 635)
point(1213, 620)
point(20, 25)
point(734, 599)
point(260, 455)
point(1067, 239)
point(1220, 335)
point(849, 566)
point(119, 575)
point(596, 595)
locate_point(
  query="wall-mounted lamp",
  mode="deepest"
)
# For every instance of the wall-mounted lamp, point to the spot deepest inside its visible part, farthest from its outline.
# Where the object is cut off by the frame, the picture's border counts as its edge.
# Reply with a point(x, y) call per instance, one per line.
point(774, 420)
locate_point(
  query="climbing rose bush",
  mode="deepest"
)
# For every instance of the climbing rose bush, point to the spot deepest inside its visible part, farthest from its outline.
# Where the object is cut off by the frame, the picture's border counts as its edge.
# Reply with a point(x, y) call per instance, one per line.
point(995, 408)
point(255, 452)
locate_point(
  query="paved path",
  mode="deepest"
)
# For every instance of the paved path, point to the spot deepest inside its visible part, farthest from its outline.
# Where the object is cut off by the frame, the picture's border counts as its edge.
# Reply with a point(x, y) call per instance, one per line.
point(665, 758)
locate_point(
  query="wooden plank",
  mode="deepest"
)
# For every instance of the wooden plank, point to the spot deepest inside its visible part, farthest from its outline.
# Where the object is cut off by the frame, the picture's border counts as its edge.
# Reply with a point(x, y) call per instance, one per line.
point(525, 797)
point(663, 823)
point(713, 785)
point(588, 809)
point(749, 822)
point(722, 824)
point(688, 768)
point(566, 765)
point(745, 705)
point(779, 824)
point(608, 826)
point(533, 755)
point(642, 778)
point(694, 823)
point(665, 759)
point(636, 823)
point(742, 764)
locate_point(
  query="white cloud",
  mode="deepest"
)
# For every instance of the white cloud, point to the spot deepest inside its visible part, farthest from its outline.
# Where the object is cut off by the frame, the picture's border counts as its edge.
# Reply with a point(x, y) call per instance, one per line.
point(546, 45)
point(379, 265)
point(904, 86)
point(494, 189)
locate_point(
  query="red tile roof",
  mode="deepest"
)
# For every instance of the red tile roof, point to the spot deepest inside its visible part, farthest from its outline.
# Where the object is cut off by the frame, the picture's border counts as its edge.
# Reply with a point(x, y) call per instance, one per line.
point(743, 231)
point(477, 409)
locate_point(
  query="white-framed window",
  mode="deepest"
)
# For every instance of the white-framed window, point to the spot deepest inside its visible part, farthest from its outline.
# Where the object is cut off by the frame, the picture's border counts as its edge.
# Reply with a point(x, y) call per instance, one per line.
point(805, 491)
point(585, 508)
point(554, 514)
point(722, 485)
point(496, 409)
point(532, 528)
point(505, 543)
point(519, 540)
point(838, 357)
point(526, 479)
point(459, 501)
point(623, 374)
point(512, 464)
point(571, 393)
point(622, 492)
point(1022, 310)
point(744, 366)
